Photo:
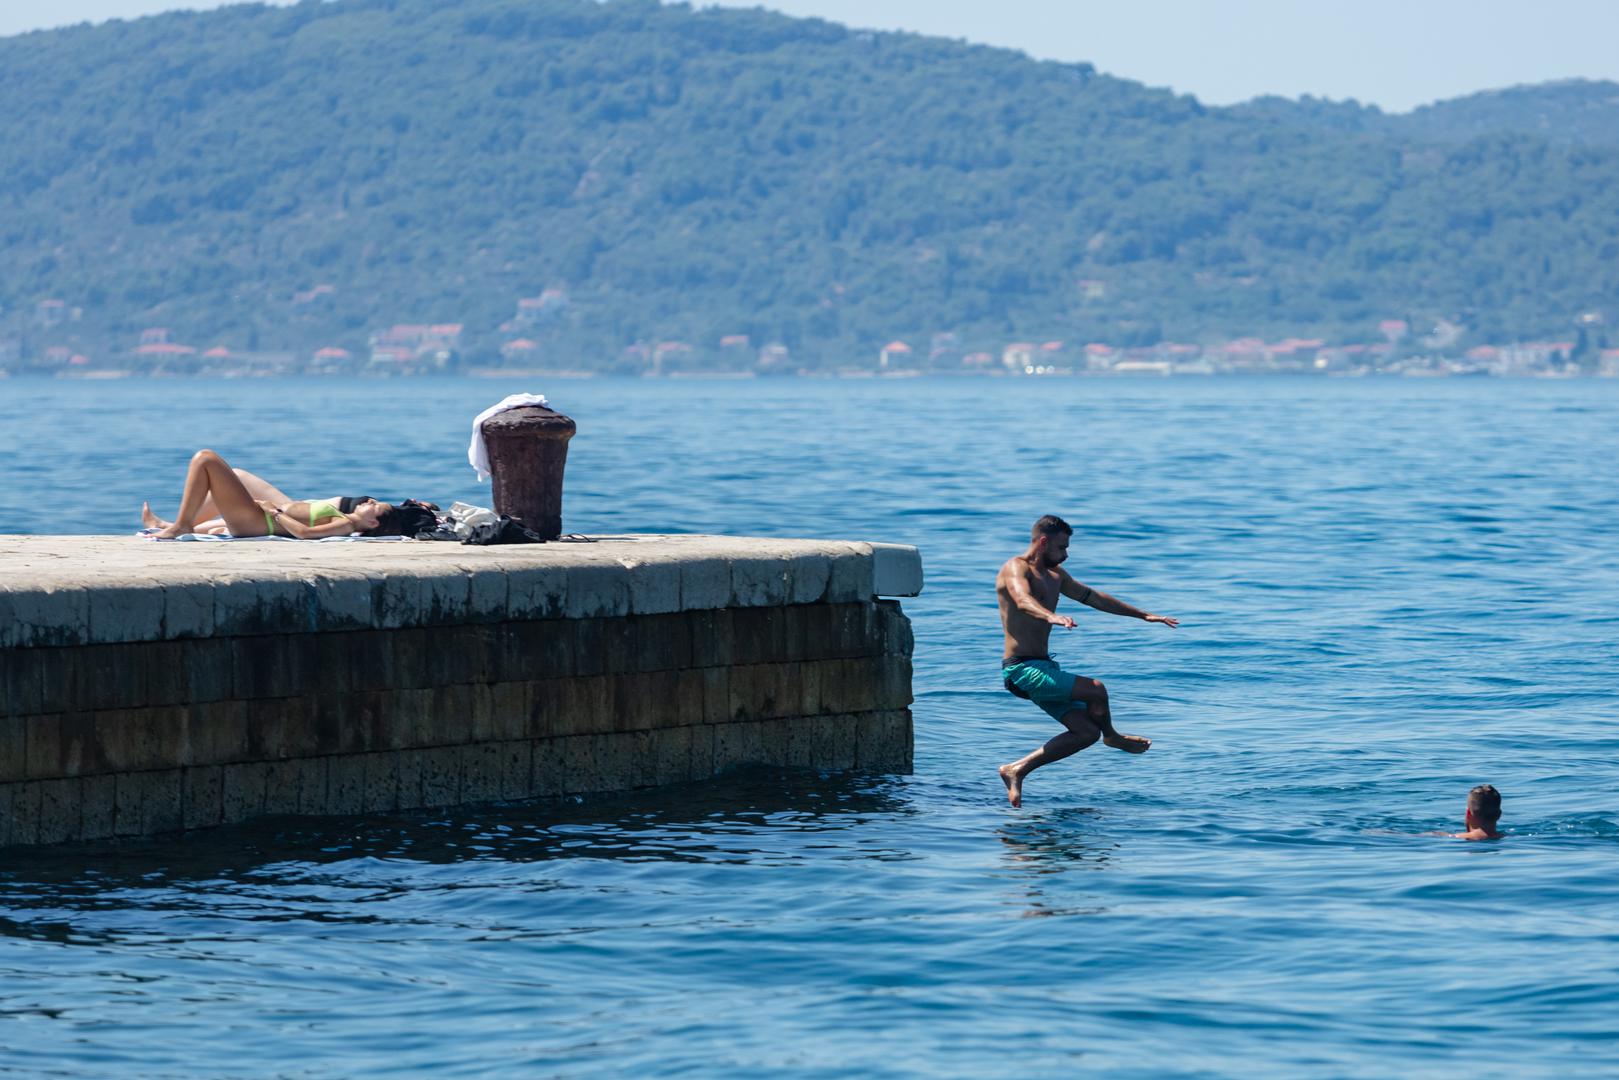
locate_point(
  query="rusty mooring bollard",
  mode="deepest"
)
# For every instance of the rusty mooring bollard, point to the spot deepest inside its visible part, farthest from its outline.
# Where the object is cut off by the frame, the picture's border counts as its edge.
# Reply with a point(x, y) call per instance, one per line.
point(528, 451)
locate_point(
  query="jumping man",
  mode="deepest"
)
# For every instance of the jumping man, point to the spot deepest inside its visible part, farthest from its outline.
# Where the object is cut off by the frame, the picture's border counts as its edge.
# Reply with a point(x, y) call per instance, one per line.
point(1028, 587)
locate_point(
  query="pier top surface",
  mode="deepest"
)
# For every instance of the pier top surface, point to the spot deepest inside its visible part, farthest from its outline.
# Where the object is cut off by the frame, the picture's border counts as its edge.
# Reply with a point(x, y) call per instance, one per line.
point(70, 590)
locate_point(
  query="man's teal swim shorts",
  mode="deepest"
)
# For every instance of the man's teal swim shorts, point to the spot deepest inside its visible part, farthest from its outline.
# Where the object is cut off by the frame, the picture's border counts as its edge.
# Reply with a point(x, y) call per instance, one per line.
point(1041, 681)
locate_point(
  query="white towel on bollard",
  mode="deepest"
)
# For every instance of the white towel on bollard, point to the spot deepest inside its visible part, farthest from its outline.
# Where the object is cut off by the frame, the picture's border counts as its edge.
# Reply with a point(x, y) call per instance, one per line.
point(477, 453)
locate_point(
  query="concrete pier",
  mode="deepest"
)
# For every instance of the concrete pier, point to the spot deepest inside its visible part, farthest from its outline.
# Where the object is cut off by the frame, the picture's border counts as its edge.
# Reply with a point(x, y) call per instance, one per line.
point(151, 687)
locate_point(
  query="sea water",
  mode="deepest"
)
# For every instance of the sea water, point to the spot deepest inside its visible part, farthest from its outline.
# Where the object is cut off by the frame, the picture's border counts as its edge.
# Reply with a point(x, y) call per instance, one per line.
point(1389, 591)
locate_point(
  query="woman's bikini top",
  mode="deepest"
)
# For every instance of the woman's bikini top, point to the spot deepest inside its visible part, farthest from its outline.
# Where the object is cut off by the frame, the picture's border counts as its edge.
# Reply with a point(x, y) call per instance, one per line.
point(320, 510)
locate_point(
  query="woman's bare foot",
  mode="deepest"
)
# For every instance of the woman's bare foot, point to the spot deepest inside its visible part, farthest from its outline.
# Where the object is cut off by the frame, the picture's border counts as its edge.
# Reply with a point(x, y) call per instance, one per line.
point(150, 520)
point(1014, 785)
point(169, 532)
point(1130, 744)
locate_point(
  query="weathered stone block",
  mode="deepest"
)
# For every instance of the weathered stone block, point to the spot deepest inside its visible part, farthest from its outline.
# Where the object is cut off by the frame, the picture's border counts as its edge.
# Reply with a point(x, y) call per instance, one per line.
point(441, 776)
point(457, 654)
point(24, 816)
point(717, 695)
point(283, 786)
point(20, 685)
point(345, 783)
point(338, 723)
point(410, 658)
point(705, 584)
point(894, 629)
point(273, 665)
point(893, 682)
point(578, 756)
point(713, 638)
point(758, 581)
point(664, 642)
point(97, 802)
point(883, 741)
point(396, 600)
point(896, 570)
point(13, 749)
point(188, 610)
point(654, 585)
point(702, 752)
point(208, 667)
point(128, 797)
point(279, 729)
point(688, 703)
point(671, 753)
point(167, 681)
point(137, 739)
point(162, 801)
point(843, 750)
point(516, 769)
point(60, 802)
point(482, 771)
point(848, 575)
point(587, 708)
point(261, 604)
point(645, 699)
point(242, 791)
point(411, 765)
point(739, 743)
point(314, 785)
point(808, 575)
point(449, 721)
point(381, 791)
point(539, 650)
point(481, 711)
point(444, 597)
point(509, 704)
point(342, 600)
point(549, 774)
point(79, 746)
point(105, 677)
point(597, 589)
point(760, 635)
point(590, 645)
point(488, 595)
point(536, 592)
point(203, 802)
point(44, 615)
point(125, 613)
point(371, 661)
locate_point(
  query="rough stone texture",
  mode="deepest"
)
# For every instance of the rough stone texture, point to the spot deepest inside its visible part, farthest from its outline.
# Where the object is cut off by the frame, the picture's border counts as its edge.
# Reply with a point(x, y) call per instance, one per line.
point(148, 688)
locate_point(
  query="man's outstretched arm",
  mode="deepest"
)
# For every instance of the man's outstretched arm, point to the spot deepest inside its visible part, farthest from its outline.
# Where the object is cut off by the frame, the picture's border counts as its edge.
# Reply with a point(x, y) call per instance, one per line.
point(1101, 601)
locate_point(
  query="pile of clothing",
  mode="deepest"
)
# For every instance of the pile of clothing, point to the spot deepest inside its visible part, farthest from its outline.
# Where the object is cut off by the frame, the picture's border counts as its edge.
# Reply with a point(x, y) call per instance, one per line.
point(478, 525)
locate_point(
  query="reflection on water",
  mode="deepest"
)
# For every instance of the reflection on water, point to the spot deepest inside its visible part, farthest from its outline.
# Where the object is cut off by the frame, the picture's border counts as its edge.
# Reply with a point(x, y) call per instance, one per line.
point(1049, 844)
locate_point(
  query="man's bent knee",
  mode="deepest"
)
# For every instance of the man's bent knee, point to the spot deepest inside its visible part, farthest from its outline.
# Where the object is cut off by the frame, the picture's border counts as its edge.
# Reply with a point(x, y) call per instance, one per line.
point(1089, 690)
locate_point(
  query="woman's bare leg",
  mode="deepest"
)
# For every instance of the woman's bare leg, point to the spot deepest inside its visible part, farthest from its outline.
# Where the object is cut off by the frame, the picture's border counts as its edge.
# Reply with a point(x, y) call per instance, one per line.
point(209, 475)
point(259, 488)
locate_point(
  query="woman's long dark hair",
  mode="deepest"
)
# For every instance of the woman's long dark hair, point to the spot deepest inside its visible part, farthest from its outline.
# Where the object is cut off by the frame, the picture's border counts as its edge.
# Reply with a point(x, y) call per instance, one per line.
point(405, 519)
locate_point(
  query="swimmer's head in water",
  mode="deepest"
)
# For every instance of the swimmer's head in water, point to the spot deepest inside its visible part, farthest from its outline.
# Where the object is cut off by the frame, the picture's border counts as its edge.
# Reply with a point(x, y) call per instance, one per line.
point(1483, 807)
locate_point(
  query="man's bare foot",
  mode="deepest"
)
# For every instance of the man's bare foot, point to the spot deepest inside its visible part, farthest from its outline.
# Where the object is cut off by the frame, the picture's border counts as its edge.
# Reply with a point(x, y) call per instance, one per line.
point(1014, 786)
point(1130, 744)
point(150, 520)
point(169, 532)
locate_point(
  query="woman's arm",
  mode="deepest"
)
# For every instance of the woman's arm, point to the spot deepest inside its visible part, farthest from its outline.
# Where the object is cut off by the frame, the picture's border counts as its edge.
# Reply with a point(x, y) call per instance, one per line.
point(338, 526)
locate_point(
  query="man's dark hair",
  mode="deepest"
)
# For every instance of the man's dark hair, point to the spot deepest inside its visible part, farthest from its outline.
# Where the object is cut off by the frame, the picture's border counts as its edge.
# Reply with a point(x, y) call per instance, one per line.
point(1485, 803)
point(1050, 525)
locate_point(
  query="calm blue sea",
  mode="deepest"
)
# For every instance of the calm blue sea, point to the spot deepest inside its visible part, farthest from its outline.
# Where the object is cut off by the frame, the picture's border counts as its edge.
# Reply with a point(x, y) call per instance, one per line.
point(1390, 591)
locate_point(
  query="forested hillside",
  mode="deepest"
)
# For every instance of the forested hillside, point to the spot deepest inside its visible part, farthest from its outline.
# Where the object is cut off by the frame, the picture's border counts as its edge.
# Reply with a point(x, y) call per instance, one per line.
point(681, 174)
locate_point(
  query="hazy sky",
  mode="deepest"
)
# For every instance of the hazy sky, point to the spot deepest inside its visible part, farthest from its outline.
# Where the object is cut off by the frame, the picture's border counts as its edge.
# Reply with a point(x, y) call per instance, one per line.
point(1393, 53)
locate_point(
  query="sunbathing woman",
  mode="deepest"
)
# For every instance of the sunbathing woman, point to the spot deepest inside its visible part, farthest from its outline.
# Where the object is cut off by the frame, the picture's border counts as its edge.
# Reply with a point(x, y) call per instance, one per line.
point(210, 479)
point(259, 488)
